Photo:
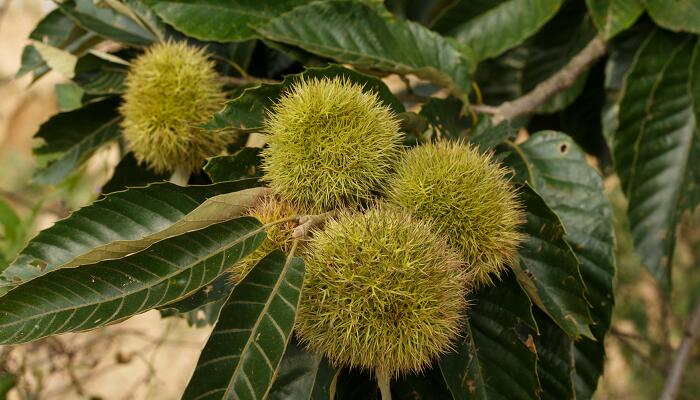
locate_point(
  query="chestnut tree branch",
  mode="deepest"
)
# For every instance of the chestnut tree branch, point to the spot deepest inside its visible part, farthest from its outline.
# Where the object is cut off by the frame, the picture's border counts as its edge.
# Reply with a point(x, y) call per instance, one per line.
point(683, 355)
point(563, 79)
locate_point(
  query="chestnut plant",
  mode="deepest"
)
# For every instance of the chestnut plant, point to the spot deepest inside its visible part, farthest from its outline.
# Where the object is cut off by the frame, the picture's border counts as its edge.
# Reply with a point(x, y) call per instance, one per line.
point(365, 199)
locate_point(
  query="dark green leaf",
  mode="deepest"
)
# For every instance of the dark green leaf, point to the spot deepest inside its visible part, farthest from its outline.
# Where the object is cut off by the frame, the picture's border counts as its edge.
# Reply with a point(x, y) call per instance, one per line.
point(245, 163)
point(555, 361)
point(7, 382)
point(574, 190)
point(248, 110)
point(124, 222)
point(76, 135)
point(430, 385)
point(490, 27)
point(614, 16)
point(107, 22)
point(446, 117)
point(491, 361)
point(353, 384)
point(249, 339)
point(679, 15)
point(302, 376)
point(220, 20)
point(98, 76)
point(79, 299)
point(550, 271)
point(357, 33)
point(215, 292)
point(487, 136)
point(656, 148)
point(129, 174)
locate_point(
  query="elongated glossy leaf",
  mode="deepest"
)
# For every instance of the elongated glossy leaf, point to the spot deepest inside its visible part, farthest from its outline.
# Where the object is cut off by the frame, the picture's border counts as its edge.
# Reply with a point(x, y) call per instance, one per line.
point(107, 22)
point(245, 163)
point(487, 136)
point(248, 110)
point(249, 339)
point(302, 376)
point(656, 148)
point(493, 26)
point(125, 222)
point(614, 16)
point(220, 20)
point(491, 361)
point(550, 270)
point(355, 32)
point(676, 16)
point(98, 76)
point(76, 135)
point(559, 171)
point(446, 117)
point(79, 299)
point(555, 361)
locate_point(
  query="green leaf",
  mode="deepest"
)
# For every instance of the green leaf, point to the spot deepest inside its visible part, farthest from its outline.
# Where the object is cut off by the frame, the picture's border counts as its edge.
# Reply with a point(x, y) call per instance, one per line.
point(69, 96)
point(680, 15)
point(555, 361)
point(249, 339)
point(354, 384)
point(129, 174)
point(491, 361)
point(245, 163)
point(9, 220)
point(215, 292)
point(99, 76)
point(302, 376)
point(487, 136)
point(76, 135)
point(7, 382)
point(430, 385)
point(614, 16)
point(559, 41)
point(357, 33)
point(79, 299)
point(574, 190)
point(446, 117)
point(491, 27)
point(125, 222)
point(220, 20)
point(248, 110)
point(107, 22)
point(549, 270)
point(656, 148)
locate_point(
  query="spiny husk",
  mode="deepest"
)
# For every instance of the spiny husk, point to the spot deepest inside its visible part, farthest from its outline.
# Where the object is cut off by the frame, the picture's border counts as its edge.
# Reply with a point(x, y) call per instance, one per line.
point(268, 209)
point(171, 90)
point(330, 144)
point(469, 197)
point(382, 292)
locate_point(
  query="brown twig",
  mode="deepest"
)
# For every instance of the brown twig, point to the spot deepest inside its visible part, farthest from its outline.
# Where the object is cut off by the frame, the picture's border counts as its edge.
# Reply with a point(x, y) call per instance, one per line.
point(683, 355)
point(563, 79)
point(241, 81)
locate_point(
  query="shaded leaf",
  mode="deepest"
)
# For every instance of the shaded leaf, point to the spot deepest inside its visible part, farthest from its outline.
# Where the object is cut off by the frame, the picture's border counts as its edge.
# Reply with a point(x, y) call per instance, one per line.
point(129, 174)
point(574, 190)
point(302, 376)
point(491, 361)
point(76, 135)
point(244, 164)
point(683, 15)
point(98, 76)
point(125, 222)
point(487, 136)
point(249, 339)
point(490, 27)
point(248, 110)
point(221, 21)
point(430, 385)
point(446, 117)
point(656, 147)
point(614, 16)
point(353, 384)
point(357, 33)
point(555, 361)
point(550, 270)
point(107, 22)
point(79, 299)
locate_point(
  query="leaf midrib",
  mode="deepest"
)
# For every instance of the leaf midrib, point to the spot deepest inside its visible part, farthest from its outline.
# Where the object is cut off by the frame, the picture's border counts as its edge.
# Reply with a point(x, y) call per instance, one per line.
point(146, 287)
